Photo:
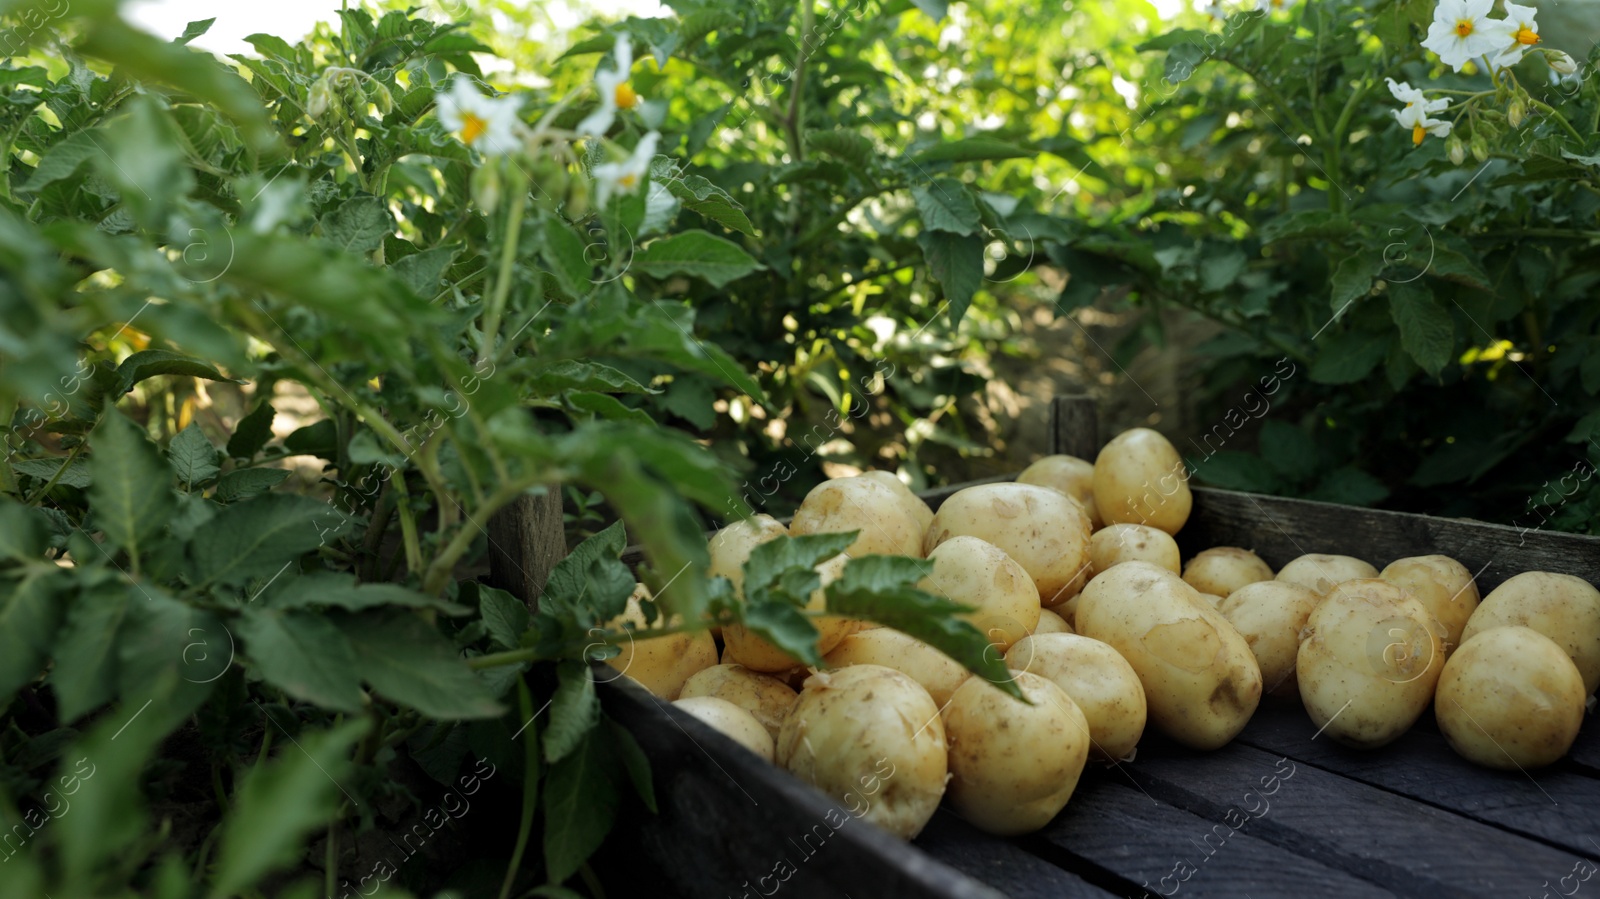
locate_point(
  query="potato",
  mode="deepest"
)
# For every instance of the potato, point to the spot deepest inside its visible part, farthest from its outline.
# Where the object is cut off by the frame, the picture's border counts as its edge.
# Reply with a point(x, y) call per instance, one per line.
point(660, 664)
point(1221, 570)
point(730, 547)
point(939, 674)
point(860, 504)
point(1369, 659)
point(1321, 572)
point(765, 697)
point(870, 737)
point(1051, 623)
point(737, 724)
point(1562, 607)
point(1013, 766)
point(1213, 599)
point(1200, 680)
point(1065, 474)
point(1116, 543)
point(1041, 530)
point(976, 573)
point(1270, 614)
point(909, 501)
point(1101, 682)
point(744, 647)
point(1139, 478)
point(1510, 698)
point(1443, 586)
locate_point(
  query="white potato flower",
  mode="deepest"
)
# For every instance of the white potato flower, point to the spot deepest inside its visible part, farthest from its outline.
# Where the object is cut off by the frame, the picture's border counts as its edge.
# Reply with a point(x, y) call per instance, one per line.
point(1524, 34)
point(1415, 114)
point(1274, 5)
point(614, 90)
point(488, 124)
point(625, 177)
point(1462, 29)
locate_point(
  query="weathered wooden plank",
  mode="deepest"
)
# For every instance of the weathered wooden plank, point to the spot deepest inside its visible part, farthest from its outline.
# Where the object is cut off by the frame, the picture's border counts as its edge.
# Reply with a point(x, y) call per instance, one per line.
point(1075, 426)
point(730, 824)
point(1280, 529)
point(1003, 864)
point(1557, 804)
point(526, 540)
point(1160, 849)
point(1397, 842)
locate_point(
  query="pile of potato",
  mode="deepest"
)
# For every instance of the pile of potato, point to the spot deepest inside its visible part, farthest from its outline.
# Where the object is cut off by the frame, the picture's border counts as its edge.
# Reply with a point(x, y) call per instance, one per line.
point(1078, 583)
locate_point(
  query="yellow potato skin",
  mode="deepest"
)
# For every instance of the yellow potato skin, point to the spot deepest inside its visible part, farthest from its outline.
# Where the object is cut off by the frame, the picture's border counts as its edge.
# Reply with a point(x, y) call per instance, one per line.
point(734, 722)
point(1321, 572)
point(730, 547)
point(1013, 766)
point(1369, 660)
point(1118, 543)
point(1051, 623)
point(741, 646)
point(866, 505)
point(872, 738)
point(977, 573)
point(1040, 529)
point(1444, 587)
point(1221, 570)
point(1562, 607)
point(911, 502)
point(1510, 698)
point(765, 697)
point(939, 674)
point(1201, 682)
point(1066, 474)
point(660, 664)
point(1101, 682)
point(1139, 478)
point(1270, 614)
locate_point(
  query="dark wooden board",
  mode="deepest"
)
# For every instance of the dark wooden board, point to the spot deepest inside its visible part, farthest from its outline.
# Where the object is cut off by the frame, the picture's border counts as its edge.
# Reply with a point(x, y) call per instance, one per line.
point(1399, 843)
point(1003, 864)
point(728, 818)
point(1115, 827)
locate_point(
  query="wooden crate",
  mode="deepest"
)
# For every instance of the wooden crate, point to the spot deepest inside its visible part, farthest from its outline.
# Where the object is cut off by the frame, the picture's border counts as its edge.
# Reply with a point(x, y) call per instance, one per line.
point(1276, 813)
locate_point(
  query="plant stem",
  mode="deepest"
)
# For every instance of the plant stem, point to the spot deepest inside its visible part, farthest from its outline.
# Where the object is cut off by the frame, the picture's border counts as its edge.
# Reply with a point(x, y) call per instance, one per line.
point(1550, 111)
point(408, 527)
point(330, 871)
point(438, 572)
point(502, 281)
point(530, 788)
point(38, 494)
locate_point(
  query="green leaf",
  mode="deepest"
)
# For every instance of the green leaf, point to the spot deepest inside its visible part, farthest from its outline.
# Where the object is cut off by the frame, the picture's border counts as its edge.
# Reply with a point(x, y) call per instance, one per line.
point(85, 673)
point(635, 762)
point(1288, 451)
point(194, 29)
point(785, 627)
point(243, 483)
point(1235, 470)
point(149, 363)
point(696, 253)
point(933, 9)
point(770, 562)
point(304, 655)
point(580, 805)
point(261, 537)
point(131, 496)
point(278, 806)
point(956, 262)
point(846, 146)
point(973, 149)
point(707, 199)
point(570, 374)
point(338, 590)
point(1350, 487)
point(1303, 225)
point(1349, 357)
point(1426, 329)
point(563, 252)
point(504, 615)
point(62, 161)
point(608, 407)
point(574, 710)
point(24, 532)
point(591, 581)
point(1353, 279)
point(192, 456)
point(144, 159)
point(76, 475)
point(947, 205)
point(423, 271)
point(359, 224)
point(30, 616)
point(406, 660)
point(316, 439)
point(253, 432)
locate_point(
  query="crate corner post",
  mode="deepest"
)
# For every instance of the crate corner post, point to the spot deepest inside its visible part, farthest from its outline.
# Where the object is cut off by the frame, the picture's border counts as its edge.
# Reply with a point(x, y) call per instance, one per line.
point(526, 540)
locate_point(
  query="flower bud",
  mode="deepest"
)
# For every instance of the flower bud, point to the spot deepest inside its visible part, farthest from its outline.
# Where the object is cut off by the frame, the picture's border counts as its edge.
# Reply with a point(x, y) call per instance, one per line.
point(577, 198)
point(1480, 148)
point(486, 187)
point(318, 99)
point(1517, 112)
point(380, 97)
point(1468, 68)
point(1561, 62)
point(1456, 149)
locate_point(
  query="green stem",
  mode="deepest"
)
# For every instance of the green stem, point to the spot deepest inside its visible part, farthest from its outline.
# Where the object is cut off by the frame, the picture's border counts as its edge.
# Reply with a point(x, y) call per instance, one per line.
point(38, 494)
point(530, 788)
point(408, 526)
point(330, 872)
point(438, 572)
point(502, 281)
point(1550, 111)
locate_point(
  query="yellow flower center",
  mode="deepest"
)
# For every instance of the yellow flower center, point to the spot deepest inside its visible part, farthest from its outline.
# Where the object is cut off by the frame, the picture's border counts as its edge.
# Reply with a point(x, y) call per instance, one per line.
point(1527, 36)
point(472, 127)
point(628, 180)
point(625, 96)
point(1277, 4)
point(1464, 27)
point(1417, 134)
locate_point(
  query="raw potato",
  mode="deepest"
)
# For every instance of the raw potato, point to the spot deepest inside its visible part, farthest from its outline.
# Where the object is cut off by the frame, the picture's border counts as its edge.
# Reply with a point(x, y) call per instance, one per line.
point(1443, 586)
point(1200, 679)
point(741, 646)
point(1117, 543)
point(1101, 682)
point(1510, 698)
point(1013, 766)
point(866, 505)
point(1270, 614)
point(1139, 478)
point(737, 724)
point(1065, 474)
point(765, 697)
point(1368, 662)
point(909, 501)
point(870, 737)
point(1042, 530)
point(976, 573)
point(939, 674)
point(1214, 600)
point(1562, 607)
point(1051, 623)
point(1221, 570)
point(660, 664)
point(731, 547)
point(1321, 572)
